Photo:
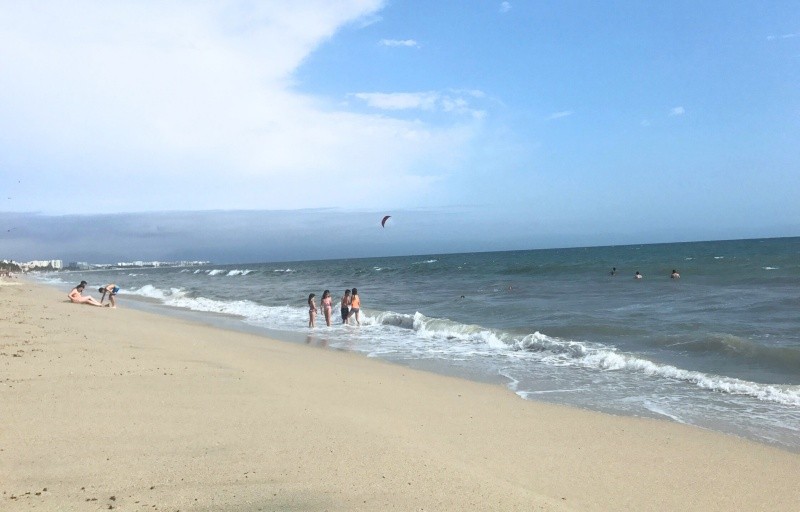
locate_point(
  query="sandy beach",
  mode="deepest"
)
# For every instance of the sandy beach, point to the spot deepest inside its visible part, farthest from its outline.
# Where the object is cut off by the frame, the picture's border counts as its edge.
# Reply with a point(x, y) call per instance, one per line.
point(121, 409)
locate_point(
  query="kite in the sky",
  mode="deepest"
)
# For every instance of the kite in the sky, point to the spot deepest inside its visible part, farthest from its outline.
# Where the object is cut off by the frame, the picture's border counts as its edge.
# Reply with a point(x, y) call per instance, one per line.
point(383, 222)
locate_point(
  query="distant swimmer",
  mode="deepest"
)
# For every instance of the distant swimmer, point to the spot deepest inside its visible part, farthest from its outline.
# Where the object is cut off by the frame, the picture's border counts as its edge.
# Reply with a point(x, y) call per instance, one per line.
point(613, 271)
point(675, 274)
point(637, 275)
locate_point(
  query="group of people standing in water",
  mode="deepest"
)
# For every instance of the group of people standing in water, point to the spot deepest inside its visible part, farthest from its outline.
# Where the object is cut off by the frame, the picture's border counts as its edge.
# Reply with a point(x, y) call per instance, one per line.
point(350, 307)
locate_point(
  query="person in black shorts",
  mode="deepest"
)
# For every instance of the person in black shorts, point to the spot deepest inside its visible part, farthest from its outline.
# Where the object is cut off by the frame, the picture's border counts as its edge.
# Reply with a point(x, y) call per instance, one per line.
point(111, 289)
point(345, 306)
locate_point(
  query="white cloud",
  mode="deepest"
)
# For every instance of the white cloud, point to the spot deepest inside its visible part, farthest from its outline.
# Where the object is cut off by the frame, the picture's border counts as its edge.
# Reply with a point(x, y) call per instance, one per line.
point(400, 100)
point(505, 7)
point(783, 36)
point(475, 93)
point(399, 42)
point(559, 115)
point(677, 111)
point(165, 106)
point(451, 102)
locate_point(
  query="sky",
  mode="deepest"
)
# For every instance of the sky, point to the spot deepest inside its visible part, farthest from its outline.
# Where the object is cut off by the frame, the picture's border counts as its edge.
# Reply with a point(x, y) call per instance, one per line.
point(243, 131)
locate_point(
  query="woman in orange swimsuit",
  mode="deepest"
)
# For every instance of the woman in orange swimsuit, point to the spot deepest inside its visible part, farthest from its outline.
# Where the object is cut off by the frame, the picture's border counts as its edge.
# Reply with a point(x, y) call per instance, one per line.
point(355, 306)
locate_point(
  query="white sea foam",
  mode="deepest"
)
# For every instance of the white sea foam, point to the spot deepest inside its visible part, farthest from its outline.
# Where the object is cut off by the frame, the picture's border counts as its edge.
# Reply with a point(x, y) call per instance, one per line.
point(771, 268)
point(557, 352)
point(650, 406)
point(280, 317)
point(215, 272)
point(239, 272)
point(152, 292)
point(606, 359)
point(425, 262)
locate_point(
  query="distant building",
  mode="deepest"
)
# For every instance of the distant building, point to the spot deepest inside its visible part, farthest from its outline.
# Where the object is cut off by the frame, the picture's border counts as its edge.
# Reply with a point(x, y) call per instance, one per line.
point(82, 265)
point(42, 265)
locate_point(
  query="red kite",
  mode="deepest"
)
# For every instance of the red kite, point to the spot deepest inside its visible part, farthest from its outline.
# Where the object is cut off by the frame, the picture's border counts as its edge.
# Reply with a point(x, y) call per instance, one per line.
point(383, 222)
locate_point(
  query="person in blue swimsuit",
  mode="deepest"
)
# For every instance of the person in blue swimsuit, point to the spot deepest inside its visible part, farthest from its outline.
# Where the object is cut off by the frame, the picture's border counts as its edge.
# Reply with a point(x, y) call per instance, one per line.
point(110, 289)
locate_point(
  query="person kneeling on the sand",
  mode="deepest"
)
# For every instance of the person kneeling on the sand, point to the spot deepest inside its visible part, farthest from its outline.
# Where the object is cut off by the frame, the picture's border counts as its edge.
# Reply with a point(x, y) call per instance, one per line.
point(76, 296)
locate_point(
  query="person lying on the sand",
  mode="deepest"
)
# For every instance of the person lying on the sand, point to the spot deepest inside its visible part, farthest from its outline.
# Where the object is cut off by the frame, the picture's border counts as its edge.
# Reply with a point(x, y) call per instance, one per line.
point(76, 296)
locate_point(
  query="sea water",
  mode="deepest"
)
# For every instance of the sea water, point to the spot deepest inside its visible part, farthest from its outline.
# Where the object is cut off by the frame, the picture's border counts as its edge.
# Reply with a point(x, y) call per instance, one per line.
point(718, 348)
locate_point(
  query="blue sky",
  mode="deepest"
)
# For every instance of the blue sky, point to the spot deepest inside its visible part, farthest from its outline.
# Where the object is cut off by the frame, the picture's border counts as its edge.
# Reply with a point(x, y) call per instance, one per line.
point(495, 125)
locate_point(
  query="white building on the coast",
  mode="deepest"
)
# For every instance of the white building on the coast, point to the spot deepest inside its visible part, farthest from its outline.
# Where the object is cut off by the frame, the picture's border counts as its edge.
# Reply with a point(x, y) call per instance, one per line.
point(41, 264)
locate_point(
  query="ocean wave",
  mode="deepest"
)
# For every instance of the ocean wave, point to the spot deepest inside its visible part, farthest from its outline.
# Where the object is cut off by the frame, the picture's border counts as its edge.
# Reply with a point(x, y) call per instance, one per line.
point(752, 352)
point(558, 352)
point(614, 361)
point(393, 319)
point(239, 272)
point(215, 272)
point(151, 292)
point(279, 317)
point(425, 262)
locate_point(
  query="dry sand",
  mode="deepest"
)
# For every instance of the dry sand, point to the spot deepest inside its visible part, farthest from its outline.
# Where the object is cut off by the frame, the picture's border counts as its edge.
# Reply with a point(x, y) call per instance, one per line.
point(122, 409)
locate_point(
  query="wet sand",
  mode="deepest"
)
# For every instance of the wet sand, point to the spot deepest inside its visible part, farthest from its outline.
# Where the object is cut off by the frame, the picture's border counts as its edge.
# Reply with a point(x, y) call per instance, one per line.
point(128, 410)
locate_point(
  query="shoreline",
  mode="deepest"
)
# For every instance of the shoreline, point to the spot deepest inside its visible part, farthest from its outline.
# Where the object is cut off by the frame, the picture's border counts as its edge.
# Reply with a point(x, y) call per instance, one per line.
point(437, 366)
point(313, 337)
point(155, 410)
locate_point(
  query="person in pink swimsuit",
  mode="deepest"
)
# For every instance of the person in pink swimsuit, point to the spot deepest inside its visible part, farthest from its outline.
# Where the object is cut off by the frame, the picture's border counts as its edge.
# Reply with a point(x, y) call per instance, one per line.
point(327, 306)
point(76, 295)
